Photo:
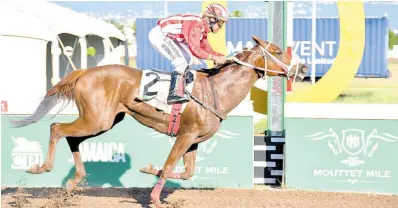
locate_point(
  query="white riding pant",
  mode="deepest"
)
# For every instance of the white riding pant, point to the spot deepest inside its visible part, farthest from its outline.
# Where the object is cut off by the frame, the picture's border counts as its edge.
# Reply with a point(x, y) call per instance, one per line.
point(179, 55)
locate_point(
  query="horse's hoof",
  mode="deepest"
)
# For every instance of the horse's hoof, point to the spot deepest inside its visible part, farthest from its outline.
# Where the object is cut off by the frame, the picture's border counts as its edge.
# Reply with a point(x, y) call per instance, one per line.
point(146, 169)
point(35, 169)
point(70, 186)
point(156, 201)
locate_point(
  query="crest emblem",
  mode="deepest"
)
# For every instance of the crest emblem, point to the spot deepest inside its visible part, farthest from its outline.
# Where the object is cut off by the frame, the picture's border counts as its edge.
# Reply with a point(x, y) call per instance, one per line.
point(353, 141)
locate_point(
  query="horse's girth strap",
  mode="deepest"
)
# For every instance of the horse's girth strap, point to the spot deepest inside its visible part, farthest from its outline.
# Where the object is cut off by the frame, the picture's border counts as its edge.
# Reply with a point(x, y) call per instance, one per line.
point(222, 117)
point(214, 93)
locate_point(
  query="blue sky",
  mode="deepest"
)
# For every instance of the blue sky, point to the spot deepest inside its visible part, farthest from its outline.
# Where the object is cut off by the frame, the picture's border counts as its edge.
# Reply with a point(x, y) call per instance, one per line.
point(249, 8)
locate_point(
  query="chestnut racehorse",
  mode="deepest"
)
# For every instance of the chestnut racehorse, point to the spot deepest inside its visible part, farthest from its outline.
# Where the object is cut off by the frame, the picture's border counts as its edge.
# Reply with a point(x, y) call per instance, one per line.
point(104, 93)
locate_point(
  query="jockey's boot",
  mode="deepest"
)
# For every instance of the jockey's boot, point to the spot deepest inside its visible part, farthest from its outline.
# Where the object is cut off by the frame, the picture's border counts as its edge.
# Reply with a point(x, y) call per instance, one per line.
point(173, 97)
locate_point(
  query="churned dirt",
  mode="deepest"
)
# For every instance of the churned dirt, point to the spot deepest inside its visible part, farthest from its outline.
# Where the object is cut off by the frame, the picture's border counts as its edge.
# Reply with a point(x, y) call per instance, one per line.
point(260, 196)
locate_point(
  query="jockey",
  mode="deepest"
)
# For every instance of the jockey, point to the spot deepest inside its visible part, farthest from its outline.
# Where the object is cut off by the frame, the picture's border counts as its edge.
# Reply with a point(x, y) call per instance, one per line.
point(180, 37)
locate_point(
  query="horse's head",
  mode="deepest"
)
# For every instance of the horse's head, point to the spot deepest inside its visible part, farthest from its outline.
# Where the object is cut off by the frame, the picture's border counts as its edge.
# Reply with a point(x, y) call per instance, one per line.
point(269, 59)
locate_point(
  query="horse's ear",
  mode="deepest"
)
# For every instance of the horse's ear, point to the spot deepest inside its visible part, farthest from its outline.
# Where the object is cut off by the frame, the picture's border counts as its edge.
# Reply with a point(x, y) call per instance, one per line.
point(258, 41)
point(264, 44)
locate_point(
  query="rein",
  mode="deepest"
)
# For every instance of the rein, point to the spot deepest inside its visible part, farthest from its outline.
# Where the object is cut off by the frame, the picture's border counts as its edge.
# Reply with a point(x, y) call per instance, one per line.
point(264, 53)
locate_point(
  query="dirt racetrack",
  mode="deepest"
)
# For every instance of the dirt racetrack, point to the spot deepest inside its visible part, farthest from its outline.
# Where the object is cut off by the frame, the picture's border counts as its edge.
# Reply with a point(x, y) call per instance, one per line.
point(260, 196)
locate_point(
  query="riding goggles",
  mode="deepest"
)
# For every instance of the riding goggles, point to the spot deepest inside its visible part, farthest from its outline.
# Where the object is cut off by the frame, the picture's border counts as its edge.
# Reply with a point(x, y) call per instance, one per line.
point(220, 23)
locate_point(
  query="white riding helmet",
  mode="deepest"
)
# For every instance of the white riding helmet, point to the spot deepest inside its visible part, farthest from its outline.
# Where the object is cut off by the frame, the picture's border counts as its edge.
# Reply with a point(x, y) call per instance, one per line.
point(217, 11)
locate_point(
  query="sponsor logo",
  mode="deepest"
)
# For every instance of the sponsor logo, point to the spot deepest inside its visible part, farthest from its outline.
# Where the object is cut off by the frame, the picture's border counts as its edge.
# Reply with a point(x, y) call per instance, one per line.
point(25, 153)
point(325, 51)
point(102, 152)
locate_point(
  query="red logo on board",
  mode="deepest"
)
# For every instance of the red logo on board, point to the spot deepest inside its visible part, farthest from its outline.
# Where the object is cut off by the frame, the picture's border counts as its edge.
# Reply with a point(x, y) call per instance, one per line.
point(4, 106)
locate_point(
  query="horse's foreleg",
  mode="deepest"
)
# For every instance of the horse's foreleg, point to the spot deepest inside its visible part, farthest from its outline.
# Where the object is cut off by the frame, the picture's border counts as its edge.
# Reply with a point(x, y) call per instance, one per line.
point(153, 171)
point(189, 163)
point(180, 147)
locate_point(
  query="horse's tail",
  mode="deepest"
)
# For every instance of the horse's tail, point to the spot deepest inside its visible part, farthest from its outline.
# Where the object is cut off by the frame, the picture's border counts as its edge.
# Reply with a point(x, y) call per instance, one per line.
point(62, 91)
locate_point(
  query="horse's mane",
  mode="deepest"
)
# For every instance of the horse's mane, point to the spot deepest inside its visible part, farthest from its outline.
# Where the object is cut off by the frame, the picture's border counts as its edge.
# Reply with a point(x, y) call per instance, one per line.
point(217, 69)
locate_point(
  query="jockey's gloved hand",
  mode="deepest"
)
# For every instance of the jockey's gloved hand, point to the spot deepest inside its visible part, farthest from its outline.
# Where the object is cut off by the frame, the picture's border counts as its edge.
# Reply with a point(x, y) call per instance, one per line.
point(220, 59)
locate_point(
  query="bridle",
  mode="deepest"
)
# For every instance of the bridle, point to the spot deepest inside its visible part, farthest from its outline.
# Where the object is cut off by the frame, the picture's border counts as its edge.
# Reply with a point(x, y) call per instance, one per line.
point(264, 52)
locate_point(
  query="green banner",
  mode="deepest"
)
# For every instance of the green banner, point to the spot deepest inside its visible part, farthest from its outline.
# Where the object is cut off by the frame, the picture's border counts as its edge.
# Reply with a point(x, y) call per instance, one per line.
point(114, 158)
point(342, 155)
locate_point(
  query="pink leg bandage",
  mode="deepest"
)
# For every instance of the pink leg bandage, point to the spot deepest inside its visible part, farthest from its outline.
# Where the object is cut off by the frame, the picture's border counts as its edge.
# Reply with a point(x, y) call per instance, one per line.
point(155, 195)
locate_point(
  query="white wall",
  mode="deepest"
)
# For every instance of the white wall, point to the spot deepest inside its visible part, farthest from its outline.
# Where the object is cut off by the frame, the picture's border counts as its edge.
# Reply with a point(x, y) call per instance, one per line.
point(341, 111)
point(393, 53)
point(22, 73)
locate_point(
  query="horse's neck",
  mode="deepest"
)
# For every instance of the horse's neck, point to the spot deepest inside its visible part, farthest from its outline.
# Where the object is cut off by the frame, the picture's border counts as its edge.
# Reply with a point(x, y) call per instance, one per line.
point(233, 85)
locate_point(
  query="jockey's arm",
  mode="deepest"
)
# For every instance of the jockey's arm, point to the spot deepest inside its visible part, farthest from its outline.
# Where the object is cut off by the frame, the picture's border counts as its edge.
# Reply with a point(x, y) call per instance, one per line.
point(207, 47)
point(192, 33)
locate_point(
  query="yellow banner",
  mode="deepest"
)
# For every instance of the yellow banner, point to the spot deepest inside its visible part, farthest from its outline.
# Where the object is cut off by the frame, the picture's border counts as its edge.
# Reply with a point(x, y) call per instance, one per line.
point(217, 41)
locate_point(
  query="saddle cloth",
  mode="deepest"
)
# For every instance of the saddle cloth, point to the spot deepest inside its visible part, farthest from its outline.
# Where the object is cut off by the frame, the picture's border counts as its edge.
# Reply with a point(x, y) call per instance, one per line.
point(155, 85)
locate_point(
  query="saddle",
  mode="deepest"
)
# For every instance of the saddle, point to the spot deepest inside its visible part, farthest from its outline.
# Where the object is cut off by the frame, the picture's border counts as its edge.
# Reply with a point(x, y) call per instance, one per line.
point(154, 90)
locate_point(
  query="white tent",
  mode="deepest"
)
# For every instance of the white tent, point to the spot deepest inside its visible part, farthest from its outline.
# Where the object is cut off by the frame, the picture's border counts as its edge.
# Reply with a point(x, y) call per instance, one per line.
point(23, 58)
point(30, 34)
point(13, 21)
point(64, 20)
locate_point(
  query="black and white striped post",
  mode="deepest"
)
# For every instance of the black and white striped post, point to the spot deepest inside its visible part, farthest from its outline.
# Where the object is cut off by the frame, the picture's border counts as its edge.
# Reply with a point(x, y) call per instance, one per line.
point(268, 149)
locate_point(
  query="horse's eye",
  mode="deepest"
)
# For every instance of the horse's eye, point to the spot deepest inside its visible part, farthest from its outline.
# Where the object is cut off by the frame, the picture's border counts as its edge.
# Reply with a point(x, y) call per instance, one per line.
point(276, 53)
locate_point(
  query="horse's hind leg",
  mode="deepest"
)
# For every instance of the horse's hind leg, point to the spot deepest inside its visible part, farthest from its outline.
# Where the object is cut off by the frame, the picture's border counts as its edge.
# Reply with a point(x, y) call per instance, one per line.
point(78, 128)
point(189, 164)
point(81, 127)
point(74, 147)
point(79, 166)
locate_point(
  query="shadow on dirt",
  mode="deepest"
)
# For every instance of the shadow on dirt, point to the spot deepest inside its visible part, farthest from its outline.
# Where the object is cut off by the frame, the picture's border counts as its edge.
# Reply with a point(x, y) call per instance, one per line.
point(92, 187)
point(59, 196)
